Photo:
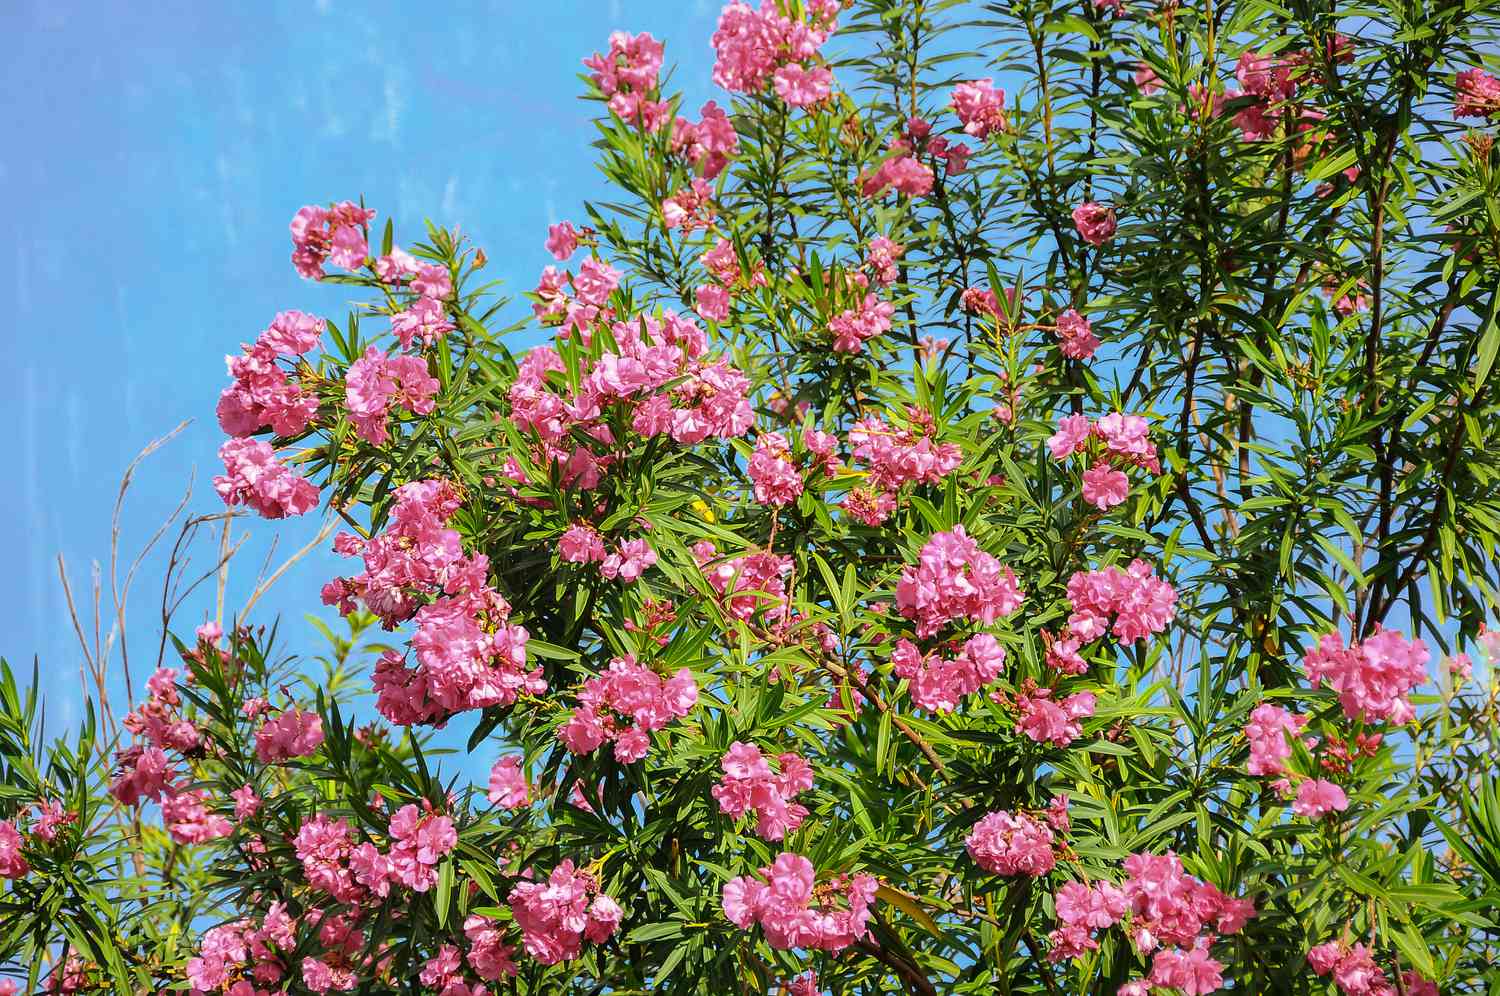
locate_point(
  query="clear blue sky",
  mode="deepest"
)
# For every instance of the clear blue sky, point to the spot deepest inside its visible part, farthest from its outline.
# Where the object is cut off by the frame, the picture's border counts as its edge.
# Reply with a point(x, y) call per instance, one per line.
point(155, 153)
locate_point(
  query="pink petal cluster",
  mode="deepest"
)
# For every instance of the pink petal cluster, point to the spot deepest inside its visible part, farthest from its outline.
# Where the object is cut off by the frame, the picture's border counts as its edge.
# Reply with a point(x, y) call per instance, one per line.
point(749, 785)
point(793, 912)
point(245, 952)
point(1373, 678)
point(630, 560)
point(904, 174)
point(710, 144)
point(590, 289)
point(263, 395)
point(1125, 438)
point(508, 788)
point(775, 478)
point(1049, 720)
point(624, 705)
point(980, 107)
point(657, 380)
point(375, 382)
point(690, 208)
point(12, 864)
point(853, 327)
point(894, 456)
point(800, 87)
point(1005, 844)
point(954, 579)
point(253, 477)
point(562, 240)
point(882, 256)
point(628, 75)
point(556, 915)
point(750, 583)
point(141, 773)
point(1268, 731)
point(1190, 971)
point(489, 955)
point(1075, 336)
point(1164, 908)
point(1141, 603)
point(755, 47)
point(419, 841)
point(336, 234)
point(939, 684)
point(293, 733)
point(157, 721)
point(188, 819)
point(1476, 94)
point(1356, 972)
point(1095, 222)
point(1318, 797)
point(425, 320)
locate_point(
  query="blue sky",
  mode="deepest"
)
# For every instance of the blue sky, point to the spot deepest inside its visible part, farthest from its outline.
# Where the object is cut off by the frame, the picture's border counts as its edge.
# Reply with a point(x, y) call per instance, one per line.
point(156, 153)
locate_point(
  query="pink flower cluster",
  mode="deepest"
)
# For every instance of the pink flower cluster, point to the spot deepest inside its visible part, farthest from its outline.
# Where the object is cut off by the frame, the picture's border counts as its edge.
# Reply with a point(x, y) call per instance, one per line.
point(1141, 603)
point(794, 912)
point(980, 107)
point(575, 301)
point(188, 819)
point(1012, 844)
point(750, 583)
point(640, 701)
point(756, 47)
point(12, 864)
point(905, 174)
point(1317, 797)
point(1476, 94)
point(1095, 222)
point(1075, 336)
point(1165, 910)
point(425, 320)
point(1268, 731)
point(1052, 720)
point(954, 579)
point(853, 327)
point(555, 916)
point(375, 382)
point(1356, 973)
point(749, 785)
point(263, 395)
point(242, 951)
point(1373, 678)
point(1269, 84)
point(419, 840)
point(710, 144)
point(690, 208)
point(293, 733)
point(254, 477)
point(507, 787)
point(468, 656)
point(658, 380)
point(895, 456)
point(157, 721)
point(628, 75)
point(141, 773)
point(335, 234)
point(582, 544)
point(1126, 442)
point(723, 264)
point(775, 478)
point(939, 684)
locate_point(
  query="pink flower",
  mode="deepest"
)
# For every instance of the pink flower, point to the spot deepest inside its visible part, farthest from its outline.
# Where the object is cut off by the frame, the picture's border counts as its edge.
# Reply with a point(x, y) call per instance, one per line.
point(783, 902)
point(1476, 94)
point(489, 955)
point(396, 266)
point(419, 841)
point(980, 107)
point(508, 788)
point(434, 281)
point(1317, 797)
point(252, 476)
point(883, 254)
point(852, 328)
point(776, 479)
point(1054, 722)
point(938, 684)
point(1191, 971)
point(562, 240)
point(1004, 844)
point(803, 87)
point(12, 864)
point(348, 249)
point(1072, 432)
point(189, 821)
point(376, 381)
point(1373, 678)
point(749, 785)
point(1146, 80)
point(581, 544)
point(1267, 731)
point(708, 145)
point(955, 579)
point(246, 802)
point(1141, 603)
point(333, 233)
point(294, 733)
point(1095, 222)
point(424, 320)
point(904, 174)
point(713, 302)
point(554, 915)
point(629, 562)
point(1075, 336)
point(1104, 487)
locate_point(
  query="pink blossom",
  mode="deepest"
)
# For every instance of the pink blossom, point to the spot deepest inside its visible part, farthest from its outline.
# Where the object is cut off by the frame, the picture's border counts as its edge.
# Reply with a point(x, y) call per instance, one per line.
point(750, 45)
point(749, 785)
point(294, 733)
point(1317, 797)
point(776, 479)
point(246, 802)
point(882, 257)
point(334, 233)
point(955, 579)
point(262, 394)
point(1373, 678)
point(1104, 487)
point(854, 327)
point(713, 302)
point(783, 902)
point(554, 915)
point(562, 240)
point(905, 174)
point(348, 250)
point(419, 842)
point(1095, 222)
point(396, 266)
point(1268, 731)
point(939, 684)
point(708, 145)
point(424, 320)
point(980, 106)
point(1044, 720)
point(1190, 971)
point(630, 560)
point(1141, 603)
point(803, 87)
point(639, 697)
point(1006, 844)
point(1075, 336)
point(375, 382)
point(189, 821)
point(489, 955)
point(1146, 80)
point(252, 476)
point(690, 208)
point(143, 773)
point(1476, 94)
point(12, 864)
point(433, 280)
point(581, 544)
point(1072, 432)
